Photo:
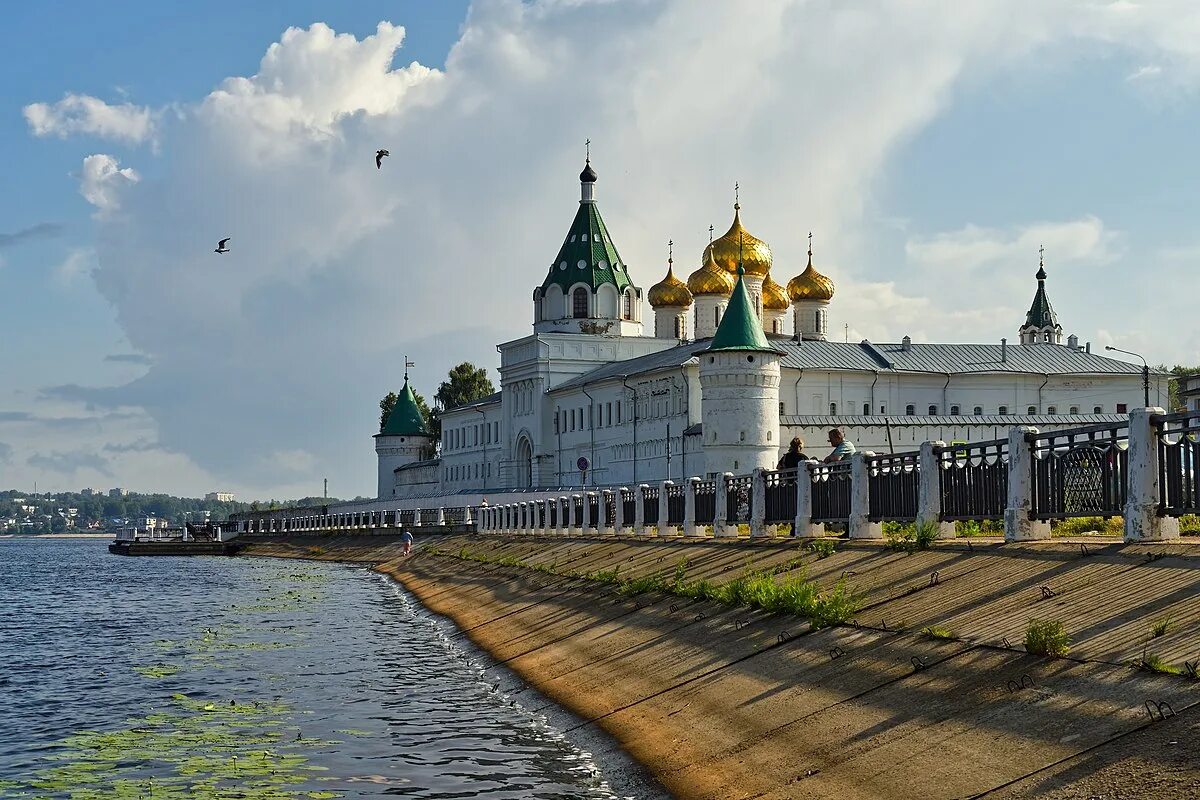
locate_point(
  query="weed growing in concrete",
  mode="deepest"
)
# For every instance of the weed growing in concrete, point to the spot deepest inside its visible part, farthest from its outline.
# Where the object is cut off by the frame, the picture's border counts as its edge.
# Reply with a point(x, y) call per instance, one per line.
point(644, 584)
point(1160, 627)
point(911, 538)
point(1189, 524)
point(680, 572)
point(987, 527)
point(1083, 526)
point(1045, 637)
point(1152, 662)
point(822, 548)
point(605, 575)
point(938, 632)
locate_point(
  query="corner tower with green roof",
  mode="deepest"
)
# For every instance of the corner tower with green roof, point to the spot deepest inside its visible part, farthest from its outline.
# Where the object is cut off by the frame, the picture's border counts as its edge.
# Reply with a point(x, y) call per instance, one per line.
point(739, 383)
point(404, 440)
point(587, 288)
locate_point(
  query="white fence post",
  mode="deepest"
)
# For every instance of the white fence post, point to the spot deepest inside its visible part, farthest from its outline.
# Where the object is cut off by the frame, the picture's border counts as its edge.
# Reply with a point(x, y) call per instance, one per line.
point(804, 527)
point(689, 508)
point(639, 509)
point(721, 527)
point(758, 503)
point(1018, 526)
point(1142, 522)
point(860, 524)
point(619, 521)
point(929, 490)
point(573, 524)
point(664, 528)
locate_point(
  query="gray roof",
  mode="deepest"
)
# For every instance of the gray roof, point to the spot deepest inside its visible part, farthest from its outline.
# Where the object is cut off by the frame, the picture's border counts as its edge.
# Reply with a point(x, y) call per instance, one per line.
point(491, 399)
point(938, 359)
point(430, 462)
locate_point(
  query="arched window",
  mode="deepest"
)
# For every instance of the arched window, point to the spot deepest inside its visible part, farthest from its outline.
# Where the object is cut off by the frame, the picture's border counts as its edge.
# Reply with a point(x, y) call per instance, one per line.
point(678, 328)
point(716, 315)
point(979, 411)
point(1052, 410)
point(627, 308)
point(910, 410)
point(832, 409)
point(1003, 410)
point(1032, 410)
point(1074, 409)
point(579, 302)
point(1098, 410)
point(933, 411)
point(954, 411)
point(866, 409)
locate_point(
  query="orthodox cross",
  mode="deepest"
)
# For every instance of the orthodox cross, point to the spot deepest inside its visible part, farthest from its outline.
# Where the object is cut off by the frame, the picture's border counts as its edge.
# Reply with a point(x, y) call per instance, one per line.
point(671, 251)
point(587, 150)
point(710, 234)
point(735, 194)
point(810, 245)
point(1042, 256)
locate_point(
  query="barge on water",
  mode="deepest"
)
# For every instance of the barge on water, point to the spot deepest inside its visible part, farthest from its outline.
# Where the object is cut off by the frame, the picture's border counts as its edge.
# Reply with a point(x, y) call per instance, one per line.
point(208, 539)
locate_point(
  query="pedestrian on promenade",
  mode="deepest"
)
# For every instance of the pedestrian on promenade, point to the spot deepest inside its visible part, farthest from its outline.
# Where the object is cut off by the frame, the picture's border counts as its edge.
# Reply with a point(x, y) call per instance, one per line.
point(407, 538)
point(842, 448)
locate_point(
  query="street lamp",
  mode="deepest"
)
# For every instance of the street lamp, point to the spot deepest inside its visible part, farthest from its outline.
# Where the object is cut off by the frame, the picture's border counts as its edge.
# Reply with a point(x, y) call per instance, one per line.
point(1145, 371)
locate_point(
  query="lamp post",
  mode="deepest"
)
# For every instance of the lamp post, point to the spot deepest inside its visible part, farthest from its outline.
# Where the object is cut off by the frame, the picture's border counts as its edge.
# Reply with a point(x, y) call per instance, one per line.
point(1145, 372)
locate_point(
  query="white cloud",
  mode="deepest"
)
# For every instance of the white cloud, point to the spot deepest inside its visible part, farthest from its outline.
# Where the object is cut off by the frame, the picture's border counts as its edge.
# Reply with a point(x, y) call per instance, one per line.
point(287, 343)
point(102, 181)
point(78, 263)
point(81, 113)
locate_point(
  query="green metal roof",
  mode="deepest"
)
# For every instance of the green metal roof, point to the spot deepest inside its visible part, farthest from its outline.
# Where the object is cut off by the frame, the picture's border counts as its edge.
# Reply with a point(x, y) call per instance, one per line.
point(588, 254)
point(740, 328)
point(1041, 314)
point(405, 419)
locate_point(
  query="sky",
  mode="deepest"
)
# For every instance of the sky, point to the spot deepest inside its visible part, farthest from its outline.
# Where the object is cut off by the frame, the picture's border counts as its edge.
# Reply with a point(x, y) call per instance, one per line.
point(931, 148)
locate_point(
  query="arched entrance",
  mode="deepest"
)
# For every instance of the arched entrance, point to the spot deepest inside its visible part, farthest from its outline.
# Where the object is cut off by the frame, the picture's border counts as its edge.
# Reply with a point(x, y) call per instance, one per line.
point(524, 465)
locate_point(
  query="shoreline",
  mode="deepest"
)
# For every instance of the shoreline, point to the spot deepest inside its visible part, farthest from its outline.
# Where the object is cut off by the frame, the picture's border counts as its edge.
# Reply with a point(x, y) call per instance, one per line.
point(719, 702)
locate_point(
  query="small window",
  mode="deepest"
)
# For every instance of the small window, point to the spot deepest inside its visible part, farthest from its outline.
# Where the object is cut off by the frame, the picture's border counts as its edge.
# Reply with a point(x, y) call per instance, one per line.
point(1052, 410)
point(1003, 410)
point(619, 412)
point(979, 411)
point(678, 328)
point(954, 411)
point(1122, 408)
point(781, 408)
point(750, 359)
point(910, 410)
point(832, 409)
point(1098, 410)
point(866, 409)
point(1074, 409)
point(628, 308)
point(580, 300)
point(1032, 410)
point(717, 315)
point(883, 410)
point(933, 411)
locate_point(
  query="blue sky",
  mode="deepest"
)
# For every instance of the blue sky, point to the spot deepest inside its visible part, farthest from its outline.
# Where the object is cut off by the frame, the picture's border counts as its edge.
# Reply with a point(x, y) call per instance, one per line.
point(931, 153)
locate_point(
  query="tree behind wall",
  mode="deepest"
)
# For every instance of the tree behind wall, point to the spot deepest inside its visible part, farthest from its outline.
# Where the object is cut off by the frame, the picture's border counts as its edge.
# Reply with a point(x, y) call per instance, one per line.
point(466, 383)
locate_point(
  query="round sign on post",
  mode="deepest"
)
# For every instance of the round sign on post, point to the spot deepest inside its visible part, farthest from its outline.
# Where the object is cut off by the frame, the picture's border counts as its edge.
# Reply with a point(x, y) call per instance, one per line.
point(583, 463)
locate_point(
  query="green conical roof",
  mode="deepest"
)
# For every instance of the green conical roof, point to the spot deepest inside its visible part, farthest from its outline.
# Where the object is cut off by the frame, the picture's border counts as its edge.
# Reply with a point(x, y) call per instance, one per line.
point(740, 328)
point(588, 254)
point(405, 419)
point(1041, 313)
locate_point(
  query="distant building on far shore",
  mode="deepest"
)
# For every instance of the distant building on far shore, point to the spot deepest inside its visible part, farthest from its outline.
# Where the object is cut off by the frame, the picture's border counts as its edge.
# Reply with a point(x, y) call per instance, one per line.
point(220, 497)
point(118, 492)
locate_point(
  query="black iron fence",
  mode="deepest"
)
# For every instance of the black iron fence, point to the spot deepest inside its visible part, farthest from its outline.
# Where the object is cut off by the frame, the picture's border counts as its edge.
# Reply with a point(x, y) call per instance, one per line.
point(552, 517)
point(706, 502)
point(830, 491)
point(650, 505)
point(628, 506)
point(893, 484)
point(973, 480)
point(610, 510)
point(781, 495)
point(739, 499)
point(577, 506)
point(676, 497)
point(429, 516)
point(593, 511)
point(1080, 472)
point(1178, 437)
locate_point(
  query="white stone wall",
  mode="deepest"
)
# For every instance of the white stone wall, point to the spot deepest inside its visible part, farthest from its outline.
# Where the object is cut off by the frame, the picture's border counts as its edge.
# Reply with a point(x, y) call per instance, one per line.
point(707, 312)
point(397, 451)
point(671, 322)
point(740, 408)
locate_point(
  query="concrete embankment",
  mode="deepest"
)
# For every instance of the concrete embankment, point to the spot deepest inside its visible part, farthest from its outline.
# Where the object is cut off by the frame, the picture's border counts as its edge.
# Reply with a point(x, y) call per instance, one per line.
point(722, 702)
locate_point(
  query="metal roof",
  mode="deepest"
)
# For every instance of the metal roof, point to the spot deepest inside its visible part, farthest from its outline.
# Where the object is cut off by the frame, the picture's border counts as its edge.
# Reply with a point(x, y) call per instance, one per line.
point(663, 359)
point(491, 399)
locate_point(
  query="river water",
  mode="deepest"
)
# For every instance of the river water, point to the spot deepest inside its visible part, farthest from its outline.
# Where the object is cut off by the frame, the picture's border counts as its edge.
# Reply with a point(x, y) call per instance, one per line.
point(252, 678)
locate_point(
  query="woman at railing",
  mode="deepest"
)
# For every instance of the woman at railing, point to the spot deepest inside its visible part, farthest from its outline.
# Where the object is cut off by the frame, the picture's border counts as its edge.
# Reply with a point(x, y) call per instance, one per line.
point(794, 457)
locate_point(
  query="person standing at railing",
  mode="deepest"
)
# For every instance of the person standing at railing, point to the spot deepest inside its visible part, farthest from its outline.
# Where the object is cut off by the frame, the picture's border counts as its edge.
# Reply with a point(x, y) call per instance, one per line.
point(843, 448)
point(794, 456)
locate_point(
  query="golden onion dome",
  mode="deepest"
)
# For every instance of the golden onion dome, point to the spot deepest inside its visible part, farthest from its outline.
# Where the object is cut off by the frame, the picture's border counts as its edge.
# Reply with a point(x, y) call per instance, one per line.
point(810, 284)
point(670, 292)
point(774, 296)
point(710, 279)
point(737, 245)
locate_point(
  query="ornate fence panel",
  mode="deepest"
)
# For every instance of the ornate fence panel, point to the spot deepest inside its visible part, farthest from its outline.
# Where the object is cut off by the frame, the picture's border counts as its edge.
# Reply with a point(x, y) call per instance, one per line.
point(577, 504)
point(739, 500)
point(1080, 472)
point(456, 516)
point(610, 510)
point(781, 495)
point(973, 480)
point(893, 482)
point(629, 509)
point(676, 497)
point(429, 516)
point(552, 517)
point(706, 502)
point(593, 512)
point(831, 492)
point(650, 505)
point(1178, 438)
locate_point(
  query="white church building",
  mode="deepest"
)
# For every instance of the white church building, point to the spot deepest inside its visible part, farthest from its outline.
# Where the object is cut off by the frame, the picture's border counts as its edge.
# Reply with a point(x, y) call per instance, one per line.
point(736, 365)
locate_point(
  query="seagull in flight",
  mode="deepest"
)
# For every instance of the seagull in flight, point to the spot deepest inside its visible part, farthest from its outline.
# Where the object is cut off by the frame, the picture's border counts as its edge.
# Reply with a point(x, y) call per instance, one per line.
point(221, 248)
point(379, 156)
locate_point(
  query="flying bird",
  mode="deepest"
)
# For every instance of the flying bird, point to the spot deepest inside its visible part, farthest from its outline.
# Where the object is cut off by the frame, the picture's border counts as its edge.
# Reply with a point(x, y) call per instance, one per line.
point(379, 154)
point(221, 248)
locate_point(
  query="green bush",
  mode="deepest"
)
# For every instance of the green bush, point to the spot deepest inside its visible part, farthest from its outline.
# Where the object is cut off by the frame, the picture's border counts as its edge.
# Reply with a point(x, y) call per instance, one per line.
point(912, 537)
point(822, 548)
point(938, 632)
point(1047, 638)
point(644, 584)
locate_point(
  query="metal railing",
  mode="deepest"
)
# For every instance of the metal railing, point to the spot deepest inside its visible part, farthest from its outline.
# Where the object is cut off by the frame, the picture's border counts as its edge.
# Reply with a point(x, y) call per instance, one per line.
point(830, 491)
point(552, 517)
point(610, 511)
point(577, 505)
point(739, 499)
point(428, 516)
point(628, 505)
point(1080, 472)
point(894, 483)
point(676, 497)
point(650, 505)
point(593, 512)
point(781, 495)
point(1178, 437)
point(973, 480)
point(706, 502)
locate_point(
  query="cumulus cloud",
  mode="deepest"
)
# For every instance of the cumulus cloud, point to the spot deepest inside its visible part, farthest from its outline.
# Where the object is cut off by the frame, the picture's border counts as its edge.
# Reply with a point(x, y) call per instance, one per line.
point(338, 269)
point(81, 113)
point(71, 463)
point(102, 181)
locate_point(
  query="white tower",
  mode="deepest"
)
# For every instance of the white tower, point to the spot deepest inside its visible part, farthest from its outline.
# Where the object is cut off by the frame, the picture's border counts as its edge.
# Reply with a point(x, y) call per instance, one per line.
point(810, 293)
point(404, 440)
point(739, 381)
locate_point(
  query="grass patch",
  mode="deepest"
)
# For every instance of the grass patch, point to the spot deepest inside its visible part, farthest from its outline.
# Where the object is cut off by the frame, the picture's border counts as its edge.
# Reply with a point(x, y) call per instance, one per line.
point(1152, 662)
point(1085, 526)
point(1160, 627)
point(609, 576)
point(1045, 637)
point(938, 632)
point(911, 537)
point(970, 527)
point(822, 548)
point(1189, 525)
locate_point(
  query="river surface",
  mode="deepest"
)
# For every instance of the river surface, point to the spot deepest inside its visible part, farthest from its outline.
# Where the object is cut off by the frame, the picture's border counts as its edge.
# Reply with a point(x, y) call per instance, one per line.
point(253, 678)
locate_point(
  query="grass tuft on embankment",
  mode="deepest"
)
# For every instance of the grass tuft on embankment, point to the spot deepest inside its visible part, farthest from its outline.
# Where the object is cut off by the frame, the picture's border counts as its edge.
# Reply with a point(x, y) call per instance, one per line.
point(1047, 637)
